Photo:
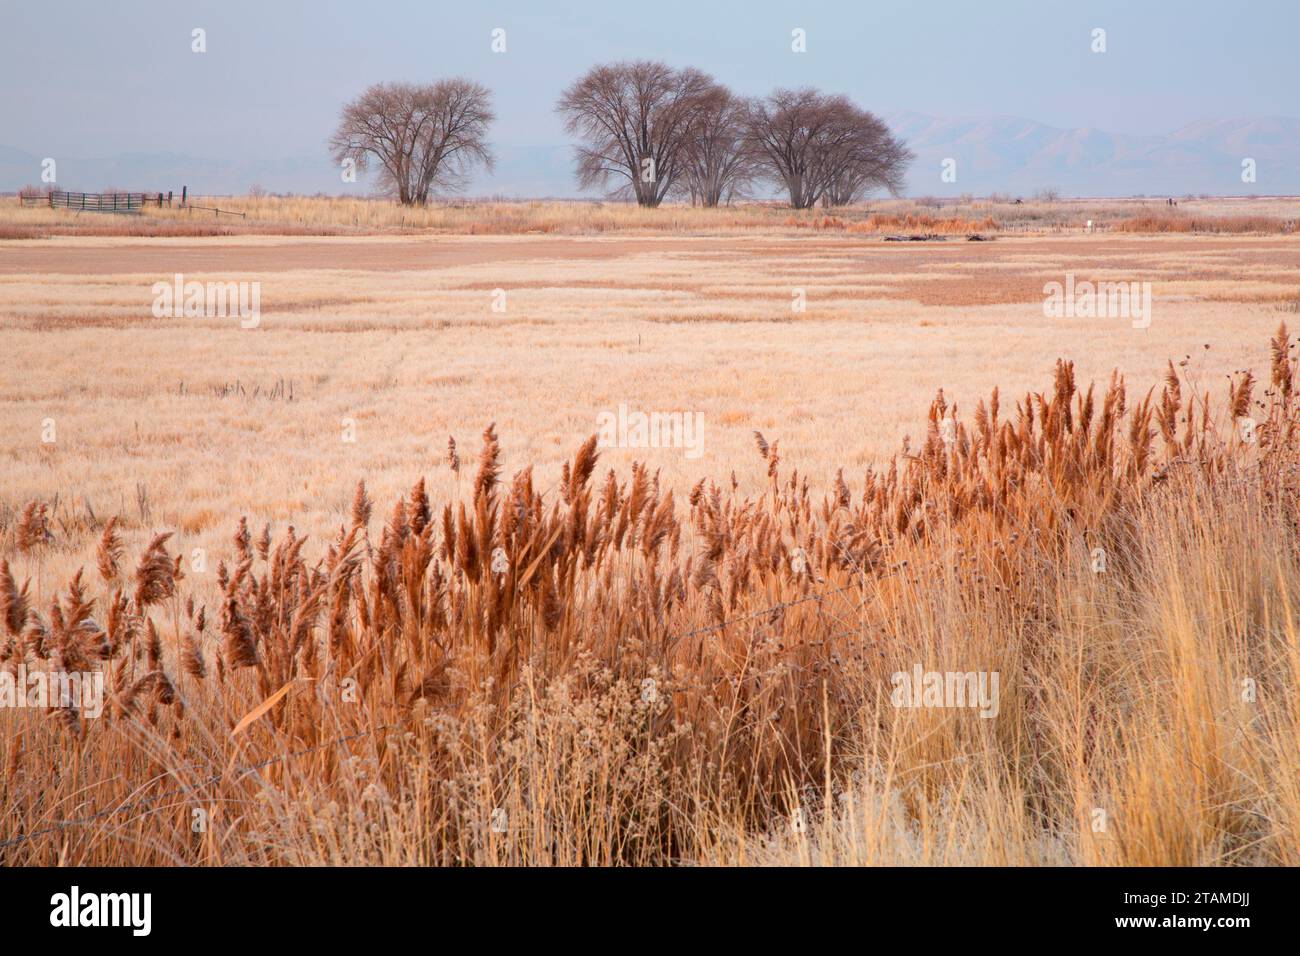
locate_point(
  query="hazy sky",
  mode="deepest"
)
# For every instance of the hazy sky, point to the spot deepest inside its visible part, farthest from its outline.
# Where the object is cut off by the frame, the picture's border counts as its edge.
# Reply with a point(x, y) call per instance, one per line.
point(93, 78)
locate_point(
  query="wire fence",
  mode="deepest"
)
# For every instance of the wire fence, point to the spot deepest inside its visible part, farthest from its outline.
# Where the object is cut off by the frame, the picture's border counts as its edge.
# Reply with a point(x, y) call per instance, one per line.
point(150, 802)
point(217, 213)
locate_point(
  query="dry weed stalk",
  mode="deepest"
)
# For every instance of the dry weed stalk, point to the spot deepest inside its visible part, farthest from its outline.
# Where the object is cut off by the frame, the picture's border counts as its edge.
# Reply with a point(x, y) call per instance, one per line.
point(670, 666)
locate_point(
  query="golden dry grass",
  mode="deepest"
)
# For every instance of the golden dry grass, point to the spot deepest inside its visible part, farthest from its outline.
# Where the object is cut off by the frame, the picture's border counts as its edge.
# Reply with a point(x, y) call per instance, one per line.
point(523, 690)
point(320, 215)
point(602, 675)
point(163, 420)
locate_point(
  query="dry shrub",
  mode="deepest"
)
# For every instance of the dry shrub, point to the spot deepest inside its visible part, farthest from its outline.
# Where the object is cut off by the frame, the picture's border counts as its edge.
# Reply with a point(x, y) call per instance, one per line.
point(1177, 222)
point(943, 225)
point(910, 222)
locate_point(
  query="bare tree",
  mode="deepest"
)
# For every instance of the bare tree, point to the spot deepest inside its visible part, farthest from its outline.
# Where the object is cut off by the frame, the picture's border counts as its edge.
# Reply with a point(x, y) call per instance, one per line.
point(636, 121)
point(870, 158)
point(718, 163)
point(821, 147)
point(421, 137)
point(791, 132)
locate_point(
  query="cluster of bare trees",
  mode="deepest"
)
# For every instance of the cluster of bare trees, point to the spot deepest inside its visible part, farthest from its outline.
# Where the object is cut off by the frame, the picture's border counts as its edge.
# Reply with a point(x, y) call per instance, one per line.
point(822, 148)
point(653, 131)
point(646, 130)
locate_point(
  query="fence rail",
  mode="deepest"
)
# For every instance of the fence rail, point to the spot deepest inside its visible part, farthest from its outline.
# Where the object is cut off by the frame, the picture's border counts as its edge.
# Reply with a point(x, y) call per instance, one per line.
point(218, 213)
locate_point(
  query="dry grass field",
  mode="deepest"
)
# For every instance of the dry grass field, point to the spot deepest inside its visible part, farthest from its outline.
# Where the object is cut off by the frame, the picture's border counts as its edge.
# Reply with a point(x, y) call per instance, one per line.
point(537, 650)
point(331, 216)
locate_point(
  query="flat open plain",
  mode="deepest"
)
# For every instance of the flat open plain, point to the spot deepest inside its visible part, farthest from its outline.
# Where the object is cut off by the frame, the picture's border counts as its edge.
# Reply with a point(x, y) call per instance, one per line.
point(179, 423)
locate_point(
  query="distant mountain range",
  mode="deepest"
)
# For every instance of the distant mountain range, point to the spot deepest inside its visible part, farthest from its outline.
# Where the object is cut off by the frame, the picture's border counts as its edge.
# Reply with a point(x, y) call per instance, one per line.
point(992, 154)
point(1011, 155)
